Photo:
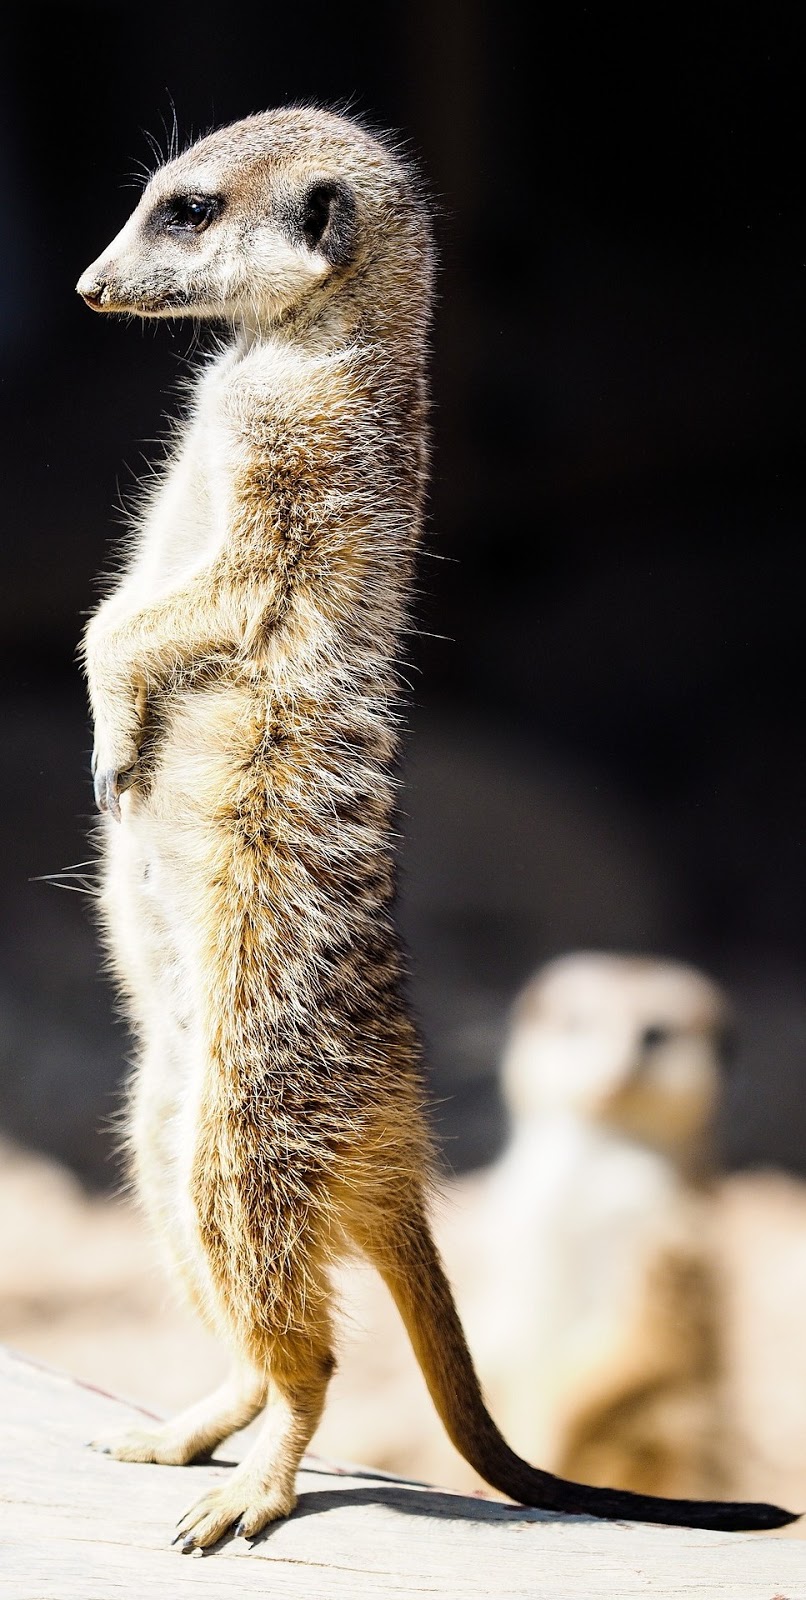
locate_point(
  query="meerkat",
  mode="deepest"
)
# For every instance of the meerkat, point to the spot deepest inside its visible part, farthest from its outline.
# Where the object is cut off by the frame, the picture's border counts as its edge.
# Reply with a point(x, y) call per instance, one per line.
point(244, 686)
point(595, 1226)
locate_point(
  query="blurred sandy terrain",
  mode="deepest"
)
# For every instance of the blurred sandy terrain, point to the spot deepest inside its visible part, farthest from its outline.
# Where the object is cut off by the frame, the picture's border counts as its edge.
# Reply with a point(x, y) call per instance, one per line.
point(81, 1288)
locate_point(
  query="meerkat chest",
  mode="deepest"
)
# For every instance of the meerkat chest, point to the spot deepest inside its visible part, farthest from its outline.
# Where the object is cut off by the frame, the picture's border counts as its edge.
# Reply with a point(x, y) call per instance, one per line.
point(582, 1208)
point(190, 513)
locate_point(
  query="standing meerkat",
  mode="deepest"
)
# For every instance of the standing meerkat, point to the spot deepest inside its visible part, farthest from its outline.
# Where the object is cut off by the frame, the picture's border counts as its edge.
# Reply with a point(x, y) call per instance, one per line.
point(243, 680)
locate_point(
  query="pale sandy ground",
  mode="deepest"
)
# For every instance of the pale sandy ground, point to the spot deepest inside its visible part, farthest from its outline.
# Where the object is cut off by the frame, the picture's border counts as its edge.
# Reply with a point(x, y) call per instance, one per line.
point(80, 1288)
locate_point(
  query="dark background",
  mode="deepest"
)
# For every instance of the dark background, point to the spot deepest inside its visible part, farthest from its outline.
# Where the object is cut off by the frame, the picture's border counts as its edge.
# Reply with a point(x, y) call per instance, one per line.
point(606, 740)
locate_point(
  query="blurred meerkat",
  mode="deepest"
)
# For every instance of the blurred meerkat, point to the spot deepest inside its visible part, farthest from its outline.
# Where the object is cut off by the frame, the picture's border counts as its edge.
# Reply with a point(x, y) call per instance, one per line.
point(601, 1345)
point(243, 680)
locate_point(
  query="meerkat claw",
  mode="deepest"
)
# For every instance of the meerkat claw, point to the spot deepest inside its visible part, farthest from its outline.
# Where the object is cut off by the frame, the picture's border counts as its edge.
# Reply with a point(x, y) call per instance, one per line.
point(107, 792)
point(109, 786)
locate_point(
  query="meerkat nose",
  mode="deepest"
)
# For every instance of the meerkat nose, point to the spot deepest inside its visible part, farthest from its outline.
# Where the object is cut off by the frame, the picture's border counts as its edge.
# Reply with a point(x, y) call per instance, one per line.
point(91, 288)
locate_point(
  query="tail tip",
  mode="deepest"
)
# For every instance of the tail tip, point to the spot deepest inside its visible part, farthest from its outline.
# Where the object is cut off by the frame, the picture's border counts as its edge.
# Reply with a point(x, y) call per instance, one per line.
point(761, 1518)
point(785, 1518)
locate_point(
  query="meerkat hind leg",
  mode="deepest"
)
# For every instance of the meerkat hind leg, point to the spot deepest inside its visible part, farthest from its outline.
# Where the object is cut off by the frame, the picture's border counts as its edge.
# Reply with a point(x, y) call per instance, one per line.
point(196, 1431)
point(262, 1489)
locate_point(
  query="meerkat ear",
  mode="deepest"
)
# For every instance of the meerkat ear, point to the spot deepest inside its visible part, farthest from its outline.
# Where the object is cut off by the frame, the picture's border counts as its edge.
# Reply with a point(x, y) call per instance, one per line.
point(329, 220)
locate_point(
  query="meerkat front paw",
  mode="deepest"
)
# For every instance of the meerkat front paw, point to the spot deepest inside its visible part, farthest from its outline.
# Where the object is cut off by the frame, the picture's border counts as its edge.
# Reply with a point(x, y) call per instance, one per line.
point(161, 1446)
point(111, 780)
point(239, 1504)
point(118, 698)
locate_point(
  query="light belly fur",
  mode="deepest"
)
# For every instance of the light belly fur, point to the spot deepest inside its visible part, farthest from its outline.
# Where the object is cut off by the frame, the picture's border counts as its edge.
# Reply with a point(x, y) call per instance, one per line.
point(158, 865)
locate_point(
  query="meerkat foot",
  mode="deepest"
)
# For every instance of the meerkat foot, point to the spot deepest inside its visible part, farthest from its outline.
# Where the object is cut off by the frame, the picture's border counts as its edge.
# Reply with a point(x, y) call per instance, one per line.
point(163, 1446)
point(194, 1433)
point(263, 1488)
point(241, 1504)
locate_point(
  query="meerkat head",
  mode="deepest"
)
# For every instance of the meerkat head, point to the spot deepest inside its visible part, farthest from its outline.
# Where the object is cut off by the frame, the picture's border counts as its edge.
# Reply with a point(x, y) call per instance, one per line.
point(636, 1043)
point(257, 221)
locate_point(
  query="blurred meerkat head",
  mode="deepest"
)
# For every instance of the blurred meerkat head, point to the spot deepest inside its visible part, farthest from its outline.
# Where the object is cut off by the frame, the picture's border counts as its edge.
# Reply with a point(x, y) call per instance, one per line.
point(629, 1041)
point(261, 220)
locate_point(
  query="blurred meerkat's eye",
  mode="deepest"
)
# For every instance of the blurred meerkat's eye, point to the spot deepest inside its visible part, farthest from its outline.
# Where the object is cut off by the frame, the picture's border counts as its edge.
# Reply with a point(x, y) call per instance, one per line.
point(192, 212)
point(652, 1038)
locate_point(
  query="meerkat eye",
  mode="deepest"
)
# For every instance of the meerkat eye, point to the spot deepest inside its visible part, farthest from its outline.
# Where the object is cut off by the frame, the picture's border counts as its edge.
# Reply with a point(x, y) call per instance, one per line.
point(652, 1038)
point(191, 212)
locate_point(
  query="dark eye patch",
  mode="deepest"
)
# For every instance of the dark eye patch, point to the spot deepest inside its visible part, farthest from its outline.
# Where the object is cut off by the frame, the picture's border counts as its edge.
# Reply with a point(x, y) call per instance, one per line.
point(187, 213)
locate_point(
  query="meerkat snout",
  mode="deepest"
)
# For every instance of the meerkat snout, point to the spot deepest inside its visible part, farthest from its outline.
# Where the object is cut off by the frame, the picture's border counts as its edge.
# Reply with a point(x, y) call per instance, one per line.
point(92, 289)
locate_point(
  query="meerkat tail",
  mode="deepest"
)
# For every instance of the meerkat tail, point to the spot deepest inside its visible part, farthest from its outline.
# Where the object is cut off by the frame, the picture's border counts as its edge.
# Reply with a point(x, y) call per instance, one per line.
point(413, 1272)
